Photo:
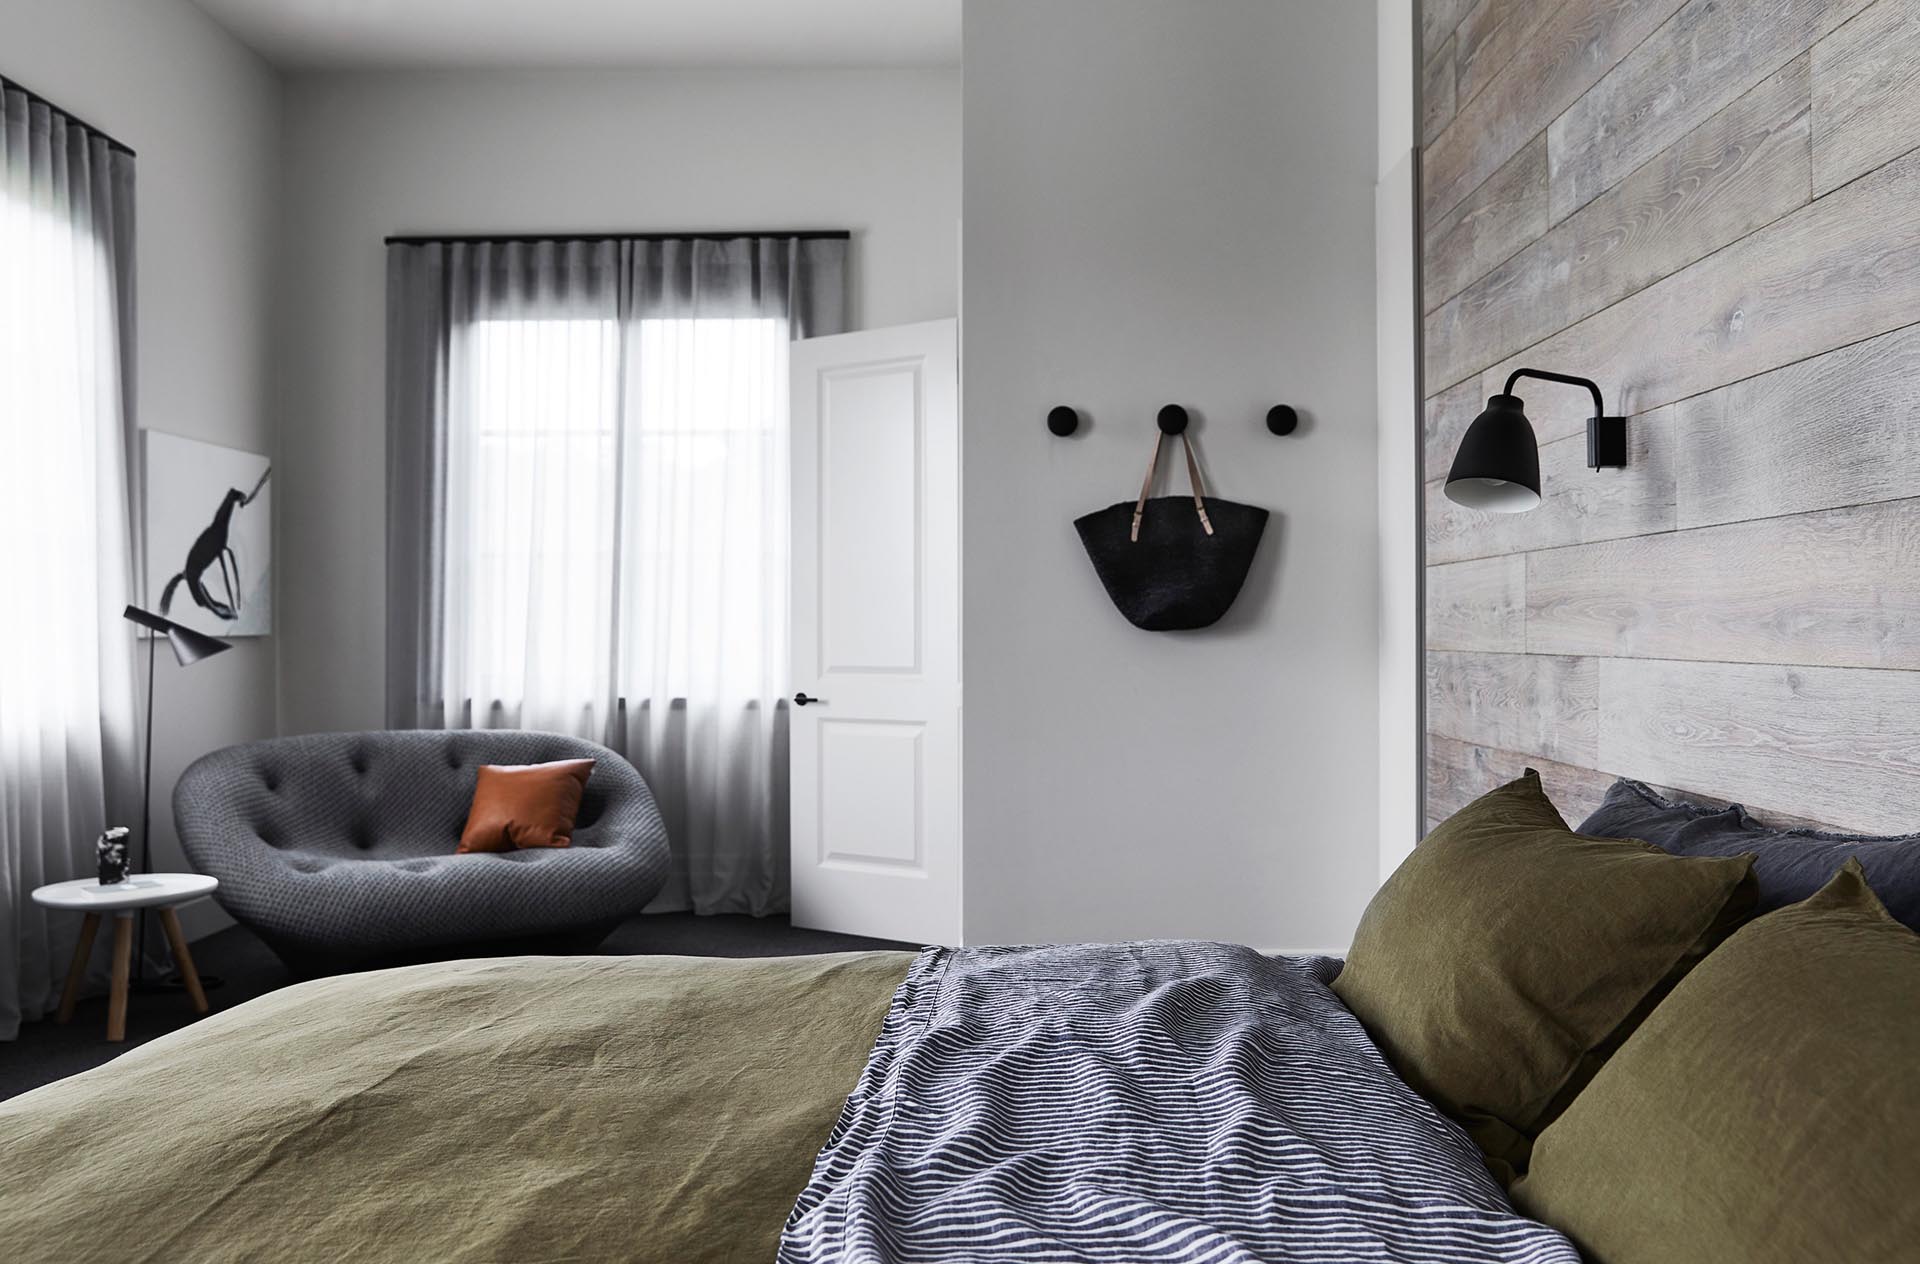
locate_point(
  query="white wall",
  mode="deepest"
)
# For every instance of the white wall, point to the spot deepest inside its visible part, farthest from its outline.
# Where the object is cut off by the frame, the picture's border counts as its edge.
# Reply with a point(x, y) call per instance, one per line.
point(204, 115)
point(1169, 202)
point(372, 154)
point(1396, 284)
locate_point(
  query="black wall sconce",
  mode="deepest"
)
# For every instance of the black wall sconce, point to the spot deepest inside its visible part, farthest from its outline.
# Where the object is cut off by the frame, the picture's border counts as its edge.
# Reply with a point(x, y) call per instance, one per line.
point(1064, 420)
point(1497, 467)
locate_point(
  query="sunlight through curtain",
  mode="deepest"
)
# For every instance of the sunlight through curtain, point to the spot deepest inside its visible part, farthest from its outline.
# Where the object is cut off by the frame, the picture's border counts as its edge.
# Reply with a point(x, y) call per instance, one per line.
point(66, 683)
point(588, 517)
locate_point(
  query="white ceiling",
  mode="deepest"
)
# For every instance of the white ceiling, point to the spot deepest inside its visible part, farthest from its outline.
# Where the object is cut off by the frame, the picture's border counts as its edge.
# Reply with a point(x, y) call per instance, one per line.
point(337, 34)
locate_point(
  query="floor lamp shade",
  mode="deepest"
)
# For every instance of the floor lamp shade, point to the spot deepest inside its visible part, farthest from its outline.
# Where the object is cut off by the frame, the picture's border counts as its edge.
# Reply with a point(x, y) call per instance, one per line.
point(1497, 467)
point(188, 646)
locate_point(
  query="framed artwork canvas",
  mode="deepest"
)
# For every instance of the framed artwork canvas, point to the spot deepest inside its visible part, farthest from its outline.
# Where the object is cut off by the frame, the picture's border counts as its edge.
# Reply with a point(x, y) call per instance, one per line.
point(209, 536)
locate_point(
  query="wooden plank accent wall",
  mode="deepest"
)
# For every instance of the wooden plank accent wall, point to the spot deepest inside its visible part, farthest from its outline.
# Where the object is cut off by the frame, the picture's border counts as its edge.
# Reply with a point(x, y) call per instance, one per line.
point(1713, 208)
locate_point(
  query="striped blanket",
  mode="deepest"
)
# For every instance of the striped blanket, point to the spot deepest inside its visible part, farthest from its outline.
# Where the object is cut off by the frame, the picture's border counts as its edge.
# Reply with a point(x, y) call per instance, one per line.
point(1138, 1103)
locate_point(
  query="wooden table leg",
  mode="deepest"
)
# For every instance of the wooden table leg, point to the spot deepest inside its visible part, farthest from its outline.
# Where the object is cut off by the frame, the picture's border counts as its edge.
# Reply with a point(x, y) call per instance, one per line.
point(122, 964)
point(77, 972)
point(183, 960)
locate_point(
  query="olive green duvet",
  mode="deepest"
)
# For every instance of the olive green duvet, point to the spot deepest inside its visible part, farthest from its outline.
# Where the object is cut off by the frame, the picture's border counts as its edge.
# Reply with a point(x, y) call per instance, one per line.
point(521, 1109)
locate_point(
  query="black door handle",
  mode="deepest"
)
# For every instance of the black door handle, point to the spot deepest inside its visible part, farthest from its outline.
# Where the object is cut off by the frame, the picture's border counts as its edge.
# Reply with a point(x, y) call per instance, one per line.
point(801, 700)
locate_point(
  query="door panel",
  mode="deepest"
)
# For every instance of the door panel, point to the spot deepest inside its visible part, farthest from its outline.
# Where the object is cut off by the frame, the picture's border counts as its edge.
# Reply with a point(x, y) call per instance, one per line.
point(871, 805)
point(870, 432)
point(876, 633)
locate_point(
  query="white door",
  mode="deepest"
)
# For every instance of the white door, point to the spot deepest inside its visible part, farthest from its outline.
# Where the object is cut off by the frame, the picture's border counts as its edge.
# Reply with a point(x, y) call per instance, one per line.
point(876, 633)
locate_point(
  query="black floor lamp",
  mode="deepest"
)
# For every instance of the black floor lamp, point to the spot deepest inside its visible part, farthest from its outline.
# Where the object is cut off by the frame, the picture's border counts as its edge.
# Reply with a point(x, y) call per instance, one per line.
point(188, 647)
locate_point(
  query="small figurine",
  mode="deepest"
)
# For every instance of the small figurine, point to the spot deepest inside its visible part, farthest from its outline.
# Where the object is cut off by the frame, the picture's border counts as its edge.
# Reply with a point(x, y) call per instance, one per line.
point(112, 852)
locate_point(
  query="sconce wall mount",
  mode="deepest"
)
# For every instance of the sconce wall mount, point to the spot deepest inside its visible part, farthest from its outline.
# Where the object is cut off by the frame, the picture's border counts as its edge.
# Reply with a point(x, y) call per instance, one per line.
point(1497, 466)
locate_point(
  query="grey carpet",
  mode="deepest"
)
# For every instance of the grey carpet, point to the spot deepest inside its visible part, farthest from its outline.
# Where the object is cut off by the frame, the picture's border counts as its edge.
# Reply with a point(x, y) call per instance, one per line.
point(46, 1051)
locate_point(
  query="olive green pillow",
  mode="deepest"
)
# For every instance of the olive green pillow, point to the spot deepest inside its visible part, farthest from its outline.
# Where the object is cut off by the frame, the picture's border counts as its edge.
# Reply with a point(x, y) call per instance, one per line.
point(1508, 956)
point(1767, 1112)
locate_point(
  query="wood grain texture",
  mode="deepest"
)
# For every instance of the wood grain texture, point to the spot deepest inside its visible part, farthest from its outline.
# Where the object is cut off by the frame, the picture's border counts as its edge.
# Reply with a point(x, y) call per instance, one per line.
point(1866, 93)
point(1836, 271)
point(1706, 56)
point(1821, 589)
point(117, 982)
point(1577, 504)
point(1436, 92)
point(1712, 207)
point(1532, 703)
point(1438, 18)
point(1839, 429)
point(1448, 415)
point(1494, 223)
point(1489, 37)
point(1567, 54)
point(1460, 772)
point(1836, 744)
point(1743, 168)
point(1479, 605)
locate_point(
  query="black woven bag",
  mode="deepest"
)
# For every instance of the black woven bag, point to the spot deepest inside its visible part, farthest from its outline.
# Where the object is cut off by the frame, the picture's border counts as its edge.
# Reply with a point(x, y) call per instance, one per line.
point(1168, 565)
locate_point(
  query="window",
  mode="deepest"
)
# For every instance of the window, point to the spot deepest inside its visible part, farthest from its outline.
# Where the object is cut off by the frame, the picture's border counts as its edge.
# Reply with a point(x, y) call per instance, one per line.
point(623, 508)
point(587, 513)
point(58, 370)
point(66, 657)
point(532, 491)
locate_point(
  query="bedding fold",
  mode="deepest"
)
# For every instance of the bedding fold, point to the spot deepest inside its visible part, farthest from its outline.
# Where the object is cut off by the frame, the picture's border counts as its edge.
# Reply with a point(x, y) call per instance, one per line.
point(1140, 1103)
point(523, 1109)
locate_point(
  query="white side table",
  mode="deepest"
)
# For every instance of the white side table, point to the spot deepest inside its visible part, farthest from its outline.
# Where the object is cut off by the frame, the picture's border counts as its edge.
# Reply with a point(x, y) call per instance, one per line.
point(123, 899)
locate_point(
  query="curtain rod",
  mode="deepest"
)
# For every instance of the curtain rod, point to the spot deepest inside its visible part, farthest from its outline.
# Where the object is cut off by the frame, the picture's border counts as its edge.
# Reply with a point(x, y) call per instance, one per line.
point(73, 120)
point(803, 234)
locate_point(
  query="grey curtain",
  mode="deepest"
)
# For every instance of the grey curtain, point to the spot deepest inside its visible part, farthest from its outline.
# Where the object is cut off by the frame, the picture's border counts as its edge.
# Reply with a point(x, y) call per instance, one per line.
point(66, 507)
point(586, 514)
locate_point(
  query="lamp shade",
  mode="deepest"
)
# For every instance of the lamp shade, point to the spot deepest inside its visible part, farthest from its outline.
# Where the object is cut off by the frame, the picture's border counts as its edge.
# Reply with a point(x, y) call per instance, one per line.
point(188, 646)
point(1498, 465)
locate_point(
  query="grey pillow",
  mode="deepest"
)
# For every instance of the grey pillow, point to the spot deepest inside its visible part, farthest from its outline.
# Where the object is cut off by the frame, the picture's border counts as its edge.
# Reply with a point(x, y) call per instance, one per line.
point(1792, 863)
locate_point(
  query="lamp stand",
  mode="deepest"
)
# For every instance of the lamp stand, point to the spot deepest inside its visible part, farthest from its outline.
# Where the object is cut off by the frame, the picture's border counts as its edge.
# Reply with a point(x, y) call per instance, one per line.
point(146, 817)
point(139, 982)
point(188, 646)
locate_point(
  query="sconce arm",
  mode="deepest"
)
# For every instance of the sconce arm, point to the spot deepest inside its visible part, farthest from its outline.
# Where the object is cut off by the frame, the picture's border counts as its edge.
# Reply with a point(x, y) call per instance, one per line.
point(1599, 408)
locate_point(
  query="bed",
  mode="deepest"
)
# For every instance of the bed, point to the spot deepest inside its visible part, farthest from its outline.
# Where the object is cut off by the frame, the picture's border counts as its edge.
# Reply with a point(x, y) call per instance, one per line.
point(1144, 1102)
point(1692, 1050)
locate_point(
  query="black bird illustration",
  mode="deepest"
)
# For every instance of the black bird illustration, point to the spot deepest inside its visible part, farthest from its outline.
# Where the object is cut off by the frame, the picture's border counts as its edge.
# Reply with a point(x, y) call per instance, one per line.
point(210, 549)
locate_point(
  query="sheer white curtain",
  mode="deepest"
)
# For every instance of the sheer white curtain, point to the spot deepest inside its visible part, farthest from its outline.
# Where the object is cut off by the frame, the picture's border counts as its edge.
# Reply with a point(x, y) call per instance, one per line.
point(66, 704)
point(594, 506)
point(703, 633)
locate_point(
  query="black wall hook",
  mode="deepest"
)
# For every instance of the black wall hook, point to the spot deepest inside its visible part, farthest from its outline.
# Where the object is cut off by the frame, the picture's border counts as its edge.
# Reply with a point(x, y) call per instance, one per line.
point(1173, 419)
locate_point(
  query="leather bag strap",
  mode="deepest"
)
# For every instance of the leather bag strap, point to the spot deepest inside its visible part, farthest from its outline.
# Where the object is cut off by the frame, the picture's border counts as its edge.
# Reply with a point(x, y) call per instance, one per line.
point(1194, 483)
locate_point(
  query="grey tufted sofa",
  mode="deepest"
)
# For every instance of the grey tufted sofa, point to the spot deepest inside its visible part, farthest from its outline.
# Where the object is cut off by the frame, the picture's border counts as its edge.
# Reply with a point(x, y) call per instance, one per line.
point(338, 849)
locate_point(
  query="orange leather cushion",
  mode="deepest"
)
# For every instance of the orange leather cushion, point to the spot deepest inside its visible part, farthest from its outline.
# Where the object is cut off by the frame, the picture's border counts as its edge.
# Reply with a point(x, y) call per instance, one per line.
point(525, 805)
